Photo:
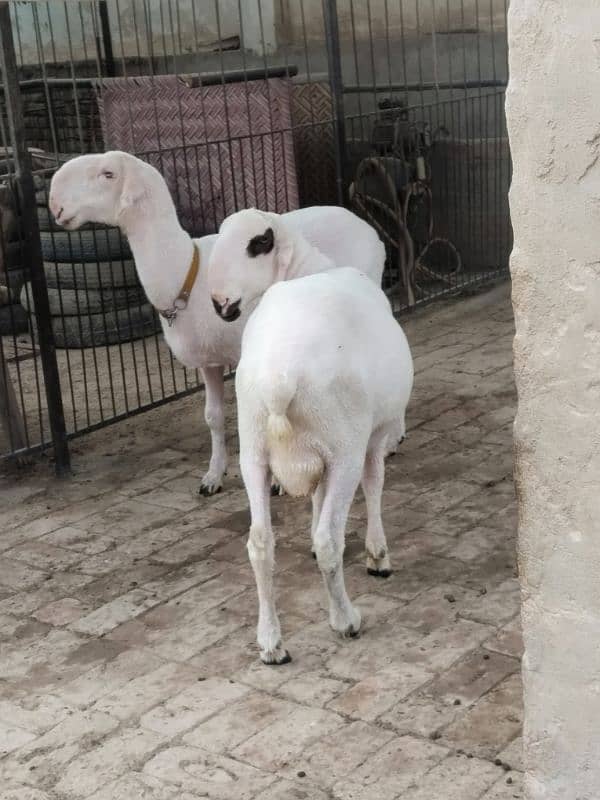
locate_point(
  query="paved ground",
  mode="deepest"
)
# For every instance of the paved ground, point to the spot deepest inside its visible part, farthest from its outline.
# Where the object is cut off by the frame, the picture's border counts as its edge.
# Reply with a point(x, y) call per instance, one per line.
point(128, 668)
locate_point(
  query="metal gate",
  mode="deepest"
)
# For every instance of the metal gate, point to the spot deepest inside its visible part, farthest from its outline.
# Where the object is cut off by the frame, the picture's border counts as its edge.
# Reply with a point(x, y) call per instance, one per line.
point(394, 108)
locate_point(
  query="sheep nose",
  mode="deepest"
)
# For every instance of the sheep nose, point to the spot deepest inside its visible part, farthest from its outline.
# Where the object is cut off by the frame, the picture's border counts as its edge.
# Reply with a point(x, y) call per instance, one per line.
point(218, 302)
point(53, 208)
point(229, 311)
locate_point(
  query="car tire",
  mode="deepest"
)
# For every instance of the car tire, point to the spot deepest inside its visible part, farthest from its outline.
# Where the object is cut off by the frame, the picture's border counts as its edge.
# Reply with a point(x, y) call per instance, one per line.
point(13, 320)
point(97, 330)
point(81, 302)
point(103, 244)
point(85, 276)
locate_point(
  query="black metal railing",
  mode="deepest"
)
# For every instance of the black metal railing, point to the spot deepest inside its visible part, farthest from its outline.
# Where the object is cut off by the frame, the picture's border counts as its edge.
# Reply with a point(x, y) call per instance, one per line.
point(392, 107)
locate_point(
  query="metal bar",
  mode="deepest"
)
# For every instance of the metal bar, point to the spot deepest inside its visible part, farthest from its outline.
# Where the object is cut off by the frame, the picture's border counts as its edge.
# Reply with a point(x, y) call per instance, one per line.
point(196, 80)
point(424, 87)
point(109, 59)
point(16, 124)
point(334, 62)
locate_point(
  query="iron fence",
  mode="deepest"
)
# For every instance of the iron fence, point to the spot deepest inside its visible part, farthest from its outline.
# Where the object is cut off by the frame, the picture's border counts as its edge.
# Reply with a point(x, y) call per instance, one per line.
point(394, 108)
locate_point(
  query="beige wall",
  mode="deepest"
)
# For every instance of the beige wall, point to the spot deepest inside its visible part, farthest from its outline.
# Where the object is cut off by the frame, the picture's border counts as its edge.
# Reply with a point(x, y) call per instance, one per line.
point(408, 16)
point(554, 127)
point(190, 23)
point(197, 22)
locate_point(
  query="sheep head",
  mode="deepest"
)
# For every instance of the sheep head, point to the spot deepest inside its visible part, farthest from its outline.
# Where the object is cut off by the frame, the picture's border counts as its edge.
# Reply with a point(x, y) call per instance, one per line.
point(253, 251)
point(98, 188)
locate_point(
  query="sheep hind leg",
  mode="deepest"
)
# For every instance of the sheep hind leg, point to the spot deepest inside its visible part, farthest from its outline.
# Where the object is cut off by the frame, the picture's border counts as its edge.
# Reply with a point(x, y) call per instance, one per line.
point(317, 505)
point(261, 551)
point(328, 542)
point(378, 560)
point(393, 441)
point(214, 414)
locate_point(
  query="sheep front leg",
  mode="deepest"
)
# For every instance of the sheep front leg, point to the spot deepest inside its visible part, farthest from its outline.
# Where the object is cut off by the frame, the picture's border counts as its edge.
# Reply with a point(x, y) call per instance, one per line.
point(328, 543)
point(214, 414)
point(261, 550)
point(378, 560)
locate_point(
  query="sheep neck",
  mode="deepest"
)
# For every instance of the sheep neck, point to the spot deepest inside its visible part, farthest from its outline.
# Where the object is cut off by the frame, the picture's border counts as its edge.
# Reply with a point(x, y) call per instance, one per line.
point(162, 251)
point(306, 260)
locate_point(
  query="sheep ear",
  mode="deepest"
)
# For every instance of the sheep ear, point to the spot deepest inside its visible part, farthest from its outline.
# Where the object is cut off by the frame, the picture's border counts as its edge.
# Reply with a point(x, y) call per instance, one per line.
point(131, 193)
point(283, 249)
point(283, 255)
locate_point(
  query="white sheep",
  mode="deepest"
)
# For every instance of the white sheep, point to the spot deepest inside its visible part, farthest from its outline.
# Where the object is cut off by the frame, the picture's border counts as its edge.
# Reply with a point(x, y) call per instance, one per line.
point(324, 380)
point(116, 188)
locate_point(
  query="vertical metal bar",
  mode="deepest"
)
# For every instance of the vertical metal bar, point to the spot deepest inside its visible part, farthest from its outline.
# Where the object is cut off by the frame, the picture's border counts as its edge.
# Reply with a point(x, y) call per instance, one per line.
point(14, 111)
point(334, 63)
point(109, 59)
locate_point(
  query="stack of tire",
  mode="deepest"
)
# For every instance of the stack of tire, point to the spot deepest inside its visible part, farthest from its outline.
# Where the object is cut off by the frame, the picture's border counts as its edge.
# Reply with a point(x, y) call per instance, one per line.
point(94, 294)
point(13, 273)
point(13, 318)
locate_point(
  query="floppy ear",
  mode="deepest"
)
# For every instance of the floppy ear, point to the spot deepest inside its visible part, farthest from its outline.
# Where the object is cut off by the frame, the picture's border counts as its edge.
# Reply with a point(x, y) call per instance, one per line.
point(283, 248)
point(133, 188)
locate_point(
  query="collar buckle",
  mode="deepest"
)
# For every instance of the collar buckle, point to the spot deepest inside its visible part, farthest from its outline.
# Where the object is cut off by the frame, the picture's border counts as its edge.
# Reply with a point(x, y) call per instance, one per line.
point(181, 301)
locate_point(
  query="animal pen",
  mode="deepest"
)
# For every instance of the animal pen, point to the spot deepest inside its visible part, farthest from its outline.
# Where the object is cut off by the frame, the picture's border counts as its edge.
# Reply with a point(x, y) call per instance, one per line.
point(394, 108)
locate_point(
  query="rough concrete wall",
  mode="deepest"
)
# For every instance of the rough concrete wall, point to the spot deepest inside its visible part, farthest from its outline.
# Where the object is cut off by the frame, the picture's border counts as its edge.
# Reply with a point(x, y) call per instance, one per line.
point(377, 18)
point(145, 27)
point(59, 31)
point(554, 127)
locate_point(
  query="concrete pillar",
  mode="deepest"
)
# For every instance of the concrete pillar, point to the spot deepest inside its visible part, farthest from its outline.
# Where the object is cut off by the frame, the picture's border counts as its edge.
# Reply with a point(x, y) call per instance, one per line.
point(554, 127)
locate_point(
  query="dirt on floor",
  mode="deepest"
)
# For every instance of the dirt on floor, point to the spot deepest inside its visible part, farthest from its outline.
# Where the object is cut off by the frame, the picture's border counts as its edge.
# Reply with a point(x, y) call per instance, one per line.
point(128, 664)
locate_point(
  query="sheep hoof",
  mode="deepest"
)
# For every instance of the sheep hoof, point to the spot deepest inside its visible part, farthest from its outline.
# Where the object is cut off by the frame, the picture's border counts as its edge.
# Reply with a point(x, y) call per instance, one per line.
point(379, 566)
point(209, 489)
point(275, 658)
point(348, 627)
point(276, 490)
point(313, 554)
point(379, 573)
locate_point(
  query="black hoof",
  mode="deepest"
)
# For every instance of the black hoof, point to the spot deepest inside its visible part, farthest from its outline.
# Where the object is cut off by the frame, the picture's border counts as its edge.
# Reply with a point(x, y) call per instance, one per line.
point(283, 660)
point(351, 633)
point(379, 573)
point(313, 554)
point(207, 491)
point(275, 490)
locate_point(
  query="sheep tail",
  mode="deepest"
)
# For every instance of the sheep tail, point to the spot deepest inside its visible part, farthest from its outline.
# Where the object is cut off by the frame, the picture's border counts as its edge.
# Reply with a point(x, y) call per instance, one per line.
point(295, 464)
point(281, 392)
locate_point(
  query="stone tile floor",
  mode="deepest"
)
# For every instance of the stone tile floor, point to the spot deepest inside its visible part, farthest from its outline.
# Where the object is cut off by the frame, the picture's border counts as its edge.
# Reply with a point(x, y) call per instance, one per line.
point(128, 668)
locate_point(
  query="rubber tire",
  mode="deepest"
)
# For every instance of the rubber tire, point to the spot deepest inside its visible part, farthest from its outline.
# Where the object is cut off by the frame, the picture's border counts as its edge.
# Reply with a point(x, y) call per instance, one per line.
point(46, 222)
point(15, 279)
point(84, 245)
point(78, 302)
point(98, 330)
point(13, 320)
point(12, 252)
point(105, 275)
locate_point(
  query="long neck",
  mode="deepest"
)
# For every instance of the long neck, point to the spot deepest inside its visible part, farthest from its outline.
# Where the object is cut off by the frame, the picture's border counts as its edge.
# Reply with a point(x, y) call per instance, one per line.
point(161, 248)
point(306, 259)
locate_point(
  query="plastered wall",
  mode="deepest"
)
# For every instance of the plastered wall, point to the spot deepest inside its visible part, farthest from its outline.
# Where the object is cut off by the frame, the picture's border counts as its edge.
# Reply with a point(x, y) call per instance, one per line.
point(553, 107)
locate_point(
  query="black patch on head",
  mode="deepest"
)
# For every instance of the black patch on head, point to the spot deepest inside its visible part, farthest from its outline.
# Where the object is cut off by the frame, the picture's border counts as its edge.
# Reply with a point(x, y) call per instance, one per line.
point(261, 245)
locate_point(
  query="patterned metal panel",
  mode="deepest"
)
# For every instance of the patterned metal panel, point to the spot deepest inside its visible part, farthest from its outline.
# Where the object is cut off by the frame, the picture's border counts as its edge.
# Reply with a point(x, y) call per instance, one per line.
point(220, 148)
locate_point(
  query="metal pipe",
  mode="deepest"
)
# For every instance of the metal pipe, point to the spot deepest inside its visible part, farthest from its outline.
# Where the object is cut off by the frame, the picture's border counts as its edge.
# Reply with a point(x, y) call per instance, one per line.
point(195, 80)
point(31, 245)
point(109, 59)
point(336, 84)
point(424, 87)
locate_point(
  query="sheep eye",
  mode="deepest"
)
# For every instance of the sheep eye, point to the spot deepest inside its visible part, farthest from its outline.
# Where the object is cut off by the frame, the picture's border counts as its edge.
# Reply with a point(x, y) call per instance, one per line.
point(108, 174)
point(262, 244)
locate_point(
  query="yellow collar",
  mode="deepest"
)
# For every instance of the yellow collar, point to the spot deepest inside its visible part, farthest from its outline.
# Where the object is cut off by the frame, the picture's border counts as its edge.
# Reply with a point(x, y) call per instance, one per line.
point(182, 298)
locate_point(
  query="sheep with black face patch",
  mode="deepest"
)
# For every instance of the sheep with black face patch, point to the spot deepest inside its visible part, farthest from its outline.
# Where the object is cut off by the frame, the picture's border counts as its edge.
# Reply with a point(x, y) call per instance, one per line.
point(116, 188)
